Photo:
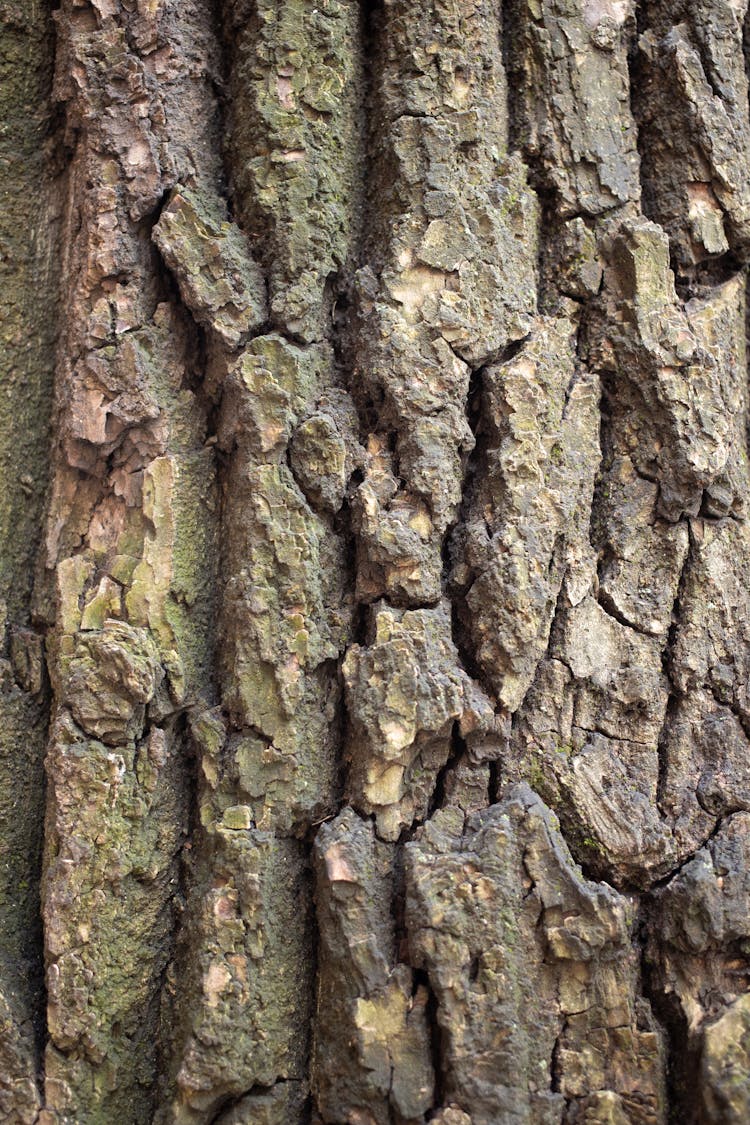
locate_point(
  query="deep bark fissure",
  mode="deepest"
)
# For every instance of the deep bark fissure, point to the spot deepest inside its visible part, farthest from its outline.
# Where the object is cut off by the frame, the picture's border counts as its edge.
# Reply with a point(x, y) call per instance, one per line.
point(674, 695)
point(436, 1034)
point(473, 468)
point(682, 1069)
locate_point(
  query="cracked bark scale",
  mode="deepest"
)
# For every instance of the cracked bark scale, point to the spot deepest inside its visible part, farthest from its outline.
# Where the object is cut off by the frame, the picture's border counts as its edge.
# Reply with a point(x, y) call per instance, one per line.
point(385, 637)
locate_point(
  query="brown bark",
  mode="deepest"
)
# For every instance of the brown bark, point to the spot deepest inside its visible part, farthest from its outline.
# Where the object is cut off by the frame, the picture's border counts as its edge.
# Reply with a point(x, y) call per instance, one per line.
point(377, 607)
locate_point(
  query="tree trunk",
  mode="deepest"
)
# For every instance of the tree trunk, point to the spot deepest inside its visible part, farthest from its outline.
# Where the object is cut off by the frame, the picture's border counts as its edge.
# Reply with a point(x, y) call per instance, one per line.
point(374, 565)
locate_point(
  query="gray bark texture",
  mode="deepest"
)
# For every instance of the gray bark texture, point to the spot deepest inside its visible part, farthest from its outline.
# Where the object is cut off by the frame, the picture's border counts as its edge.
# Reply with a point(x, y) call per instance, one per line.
point(374, 562)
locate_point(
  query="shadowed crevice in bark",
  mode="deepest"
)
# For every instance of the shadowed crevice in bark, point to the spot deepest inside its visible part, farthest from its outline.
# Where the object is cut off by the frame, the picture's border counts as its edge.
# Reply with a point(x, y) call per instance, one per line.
point(682, 1062)
point(236, 26)
point(437, 1054)
point(672, 702)
point(452, 549)
point(31, 169)
point(170, 1014)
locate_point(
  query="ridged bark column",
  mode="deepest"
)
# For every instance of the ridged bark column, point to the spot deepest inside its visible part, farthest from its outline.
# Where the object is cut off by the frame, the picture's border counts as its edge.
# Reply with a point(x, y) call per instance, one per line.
point(29, 265)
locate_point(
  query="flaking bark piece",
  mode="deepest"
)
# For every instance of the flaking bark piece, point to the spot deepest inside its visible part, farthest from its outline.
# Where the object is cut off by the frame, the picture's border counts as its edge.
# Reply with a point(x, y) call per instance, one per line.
point(219, 281)
point(534, 971)
point(372, 1049)
point(404, 692)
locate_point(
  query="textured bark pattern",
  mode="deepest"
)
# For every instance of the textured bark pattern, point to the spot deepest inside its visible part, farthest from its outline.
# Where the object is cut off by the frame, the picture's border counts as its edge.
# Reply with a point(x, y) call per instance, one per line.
point(30, 205)
point(386, 634)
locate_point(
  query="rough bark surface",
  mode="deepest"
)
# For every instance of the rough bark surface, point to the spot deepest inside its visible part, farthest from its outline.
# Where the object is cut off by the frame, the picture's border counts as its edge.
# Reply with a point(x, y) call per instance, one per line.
point(374, 562)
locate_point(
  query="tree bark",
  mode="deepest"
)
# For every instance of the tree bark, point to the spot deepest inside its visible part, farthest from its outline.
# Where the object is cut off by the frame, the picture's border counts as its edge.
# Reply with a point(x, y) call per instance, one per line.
point(374, 562)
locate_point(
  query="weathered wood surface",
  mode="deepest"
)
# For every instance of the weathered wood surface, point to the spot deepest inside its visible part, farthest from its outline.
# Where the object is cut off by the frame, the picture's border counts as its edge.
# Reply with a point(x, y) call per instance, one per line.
point(374, 562)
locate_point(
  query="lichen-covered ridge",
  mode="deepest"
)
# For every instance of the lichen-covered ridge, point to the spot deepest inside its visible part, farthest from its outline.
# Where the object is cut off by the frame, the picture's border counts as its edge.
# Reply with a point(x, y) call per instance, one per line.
point(389, 629)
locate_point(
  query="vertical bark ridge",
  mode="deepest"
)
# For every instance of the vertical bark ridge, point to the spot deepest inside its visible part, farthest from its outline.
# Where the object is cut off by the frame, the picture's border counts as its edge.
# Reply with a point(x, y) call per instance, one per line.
point(130, 647)
point(432, 301)
point(696, 473)
point(270, 752)
point(695, 146)
point(28, 313)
